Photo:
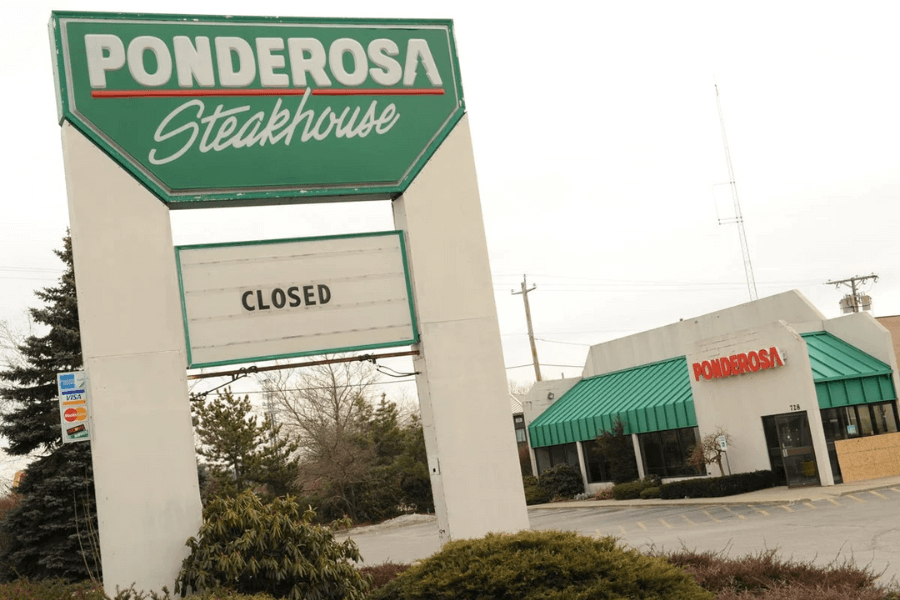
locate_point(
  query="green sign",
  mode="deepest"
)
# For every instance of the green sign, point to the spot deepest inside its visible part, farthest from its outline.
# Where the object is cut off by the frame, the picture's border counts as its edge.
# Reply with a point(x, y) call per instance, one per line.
point(249, 110)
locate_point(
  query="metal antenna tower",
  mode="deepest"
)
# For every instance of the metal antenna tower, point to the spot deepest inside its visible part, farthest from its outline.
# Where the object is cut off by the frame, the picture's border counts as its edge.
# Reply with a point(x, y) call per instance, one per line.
point(738, 217)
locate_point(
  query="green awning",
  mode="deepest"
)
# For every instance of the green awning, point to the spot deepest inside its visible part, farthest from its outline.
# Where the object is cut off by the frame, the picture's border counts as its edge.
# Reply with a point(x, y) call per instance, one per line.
point(846, 375)
point(648, 398)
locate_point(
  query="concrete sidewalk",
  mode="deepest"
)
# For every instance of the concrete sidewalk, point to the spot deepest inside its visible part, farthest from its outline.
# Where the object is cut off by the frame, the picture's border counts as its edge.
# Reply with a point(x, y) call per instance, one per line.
point(776, 495)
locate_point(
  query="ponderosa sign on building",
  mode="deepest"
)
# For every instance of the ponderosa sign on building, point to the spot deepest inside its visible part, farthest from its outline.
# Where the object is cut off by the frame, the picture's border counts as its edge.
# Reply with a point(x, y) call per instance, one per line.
point(257, 110)
point(738, 364)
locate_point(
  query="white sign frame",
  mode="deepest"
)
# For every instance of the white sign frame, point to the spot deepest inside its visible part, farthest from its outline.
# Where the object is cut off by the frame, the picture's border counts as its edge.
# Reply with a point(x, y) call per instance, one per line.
point(232, 349)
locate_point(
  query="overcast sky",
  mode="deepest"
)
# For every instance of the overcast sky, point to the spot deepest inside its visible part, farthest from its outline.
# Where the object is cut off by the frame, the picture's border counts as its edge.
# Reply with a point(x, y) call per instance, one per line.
point(599, 155)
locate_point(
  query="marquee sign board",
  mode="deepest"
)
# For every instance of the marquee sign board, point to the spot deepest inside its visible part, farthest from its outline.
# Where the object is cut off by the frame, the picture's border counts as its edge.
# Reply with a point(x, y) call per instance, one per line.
point(266, 300)
point(208, 110)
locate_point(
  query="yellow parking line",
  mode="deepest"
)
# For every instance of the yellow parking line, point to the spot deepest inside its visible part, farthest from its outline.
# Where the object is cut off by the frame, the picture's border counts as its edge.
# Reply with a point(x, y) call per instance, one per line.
point(759, 510)
point(896, 490)
point(666, 524)
point(688, 519)
point(833, 501)
point(715, 520)
point(739, 516)
point(622, 529)
point(786, 507)
point(874, 493)
point(852, 497)
point(642, 526)
point(810, 504)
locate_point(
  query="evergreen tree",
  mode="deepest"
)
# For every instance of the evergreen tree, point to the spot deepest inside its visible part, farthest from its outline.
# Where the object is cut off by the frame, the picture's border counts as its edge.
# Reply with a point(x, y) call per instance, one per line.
point(617, 450)
point(52, 531)
point(240, 452)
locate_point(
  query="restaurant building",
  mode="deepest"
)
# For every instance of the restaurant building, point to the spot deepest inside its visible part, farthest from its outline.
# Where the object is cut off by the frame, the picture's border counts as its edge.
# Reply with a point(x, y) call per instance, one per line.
point(811, 398)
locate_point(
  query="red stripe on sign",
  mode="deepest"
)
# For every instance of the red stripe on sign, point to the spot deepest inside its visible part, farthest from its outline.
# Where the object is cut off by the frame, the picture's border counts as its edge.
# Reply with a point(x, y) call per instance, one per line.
point(273, 92)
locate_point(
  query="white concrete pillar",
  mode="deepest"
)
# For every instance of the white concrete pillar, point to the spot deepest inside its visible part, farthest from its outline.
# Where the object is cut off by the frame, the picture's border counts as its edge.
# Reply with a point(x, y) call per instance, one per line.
point(820, 446)
point(582, 464)
point(132, 340)
point(638, 456)
point(462, 386)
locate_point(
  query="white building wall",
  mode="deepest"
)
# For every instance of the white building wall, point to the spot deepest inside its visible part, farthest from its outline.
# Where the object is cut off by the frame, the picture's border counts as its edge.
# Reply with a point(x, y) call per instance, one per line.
point(674, 340)
point(538, 399)
point(738, 403)
point(867, 334)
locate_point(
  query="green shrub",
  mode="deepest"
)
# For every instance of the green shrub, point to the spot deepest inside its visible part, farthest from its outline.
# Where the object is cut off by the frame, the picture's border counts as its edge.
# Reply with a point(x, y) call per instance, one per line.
point(652, 480)
point(534, 493)
point(633, 490)
point(561, 481)
point(628, 491)
point(274, 548)
point(545, 565)
point(649, 492)
point(716, 487)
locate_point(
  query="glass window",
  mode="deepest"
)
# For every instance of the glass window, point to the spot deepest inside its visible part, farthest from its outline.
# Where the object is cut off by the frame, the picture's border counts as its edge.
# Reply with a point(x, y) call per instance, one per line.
point(572, 457)
point(651, 452)
point(831, 422)
point(672, 454)
point(596, 462)
point(557, 455)
point(859, 420)
point(551, 456)
point(850, 422)
point(885, 417)
point(665, 453)
point(865, 420)
point(520, 435)
point(542, 457)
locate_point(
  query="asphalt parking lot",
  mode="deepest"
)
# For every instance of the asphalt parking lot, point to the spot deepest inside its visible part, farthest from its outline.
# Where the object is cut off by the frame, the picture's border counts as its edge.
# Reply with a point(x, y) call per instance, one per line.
point(862, 526)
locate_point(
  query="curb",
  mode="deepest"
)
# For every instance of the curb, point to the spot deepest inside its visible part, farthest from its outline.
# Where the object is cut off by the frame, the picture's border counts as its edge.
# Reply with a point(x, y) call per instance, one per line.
point(721, 501)
point(868, 489)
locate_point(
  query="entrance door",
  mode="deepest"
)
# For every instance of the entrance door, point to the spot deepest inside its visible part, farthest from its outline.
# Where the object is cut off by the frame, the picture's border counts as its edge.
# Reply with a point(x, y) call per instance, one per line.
point(790, 449)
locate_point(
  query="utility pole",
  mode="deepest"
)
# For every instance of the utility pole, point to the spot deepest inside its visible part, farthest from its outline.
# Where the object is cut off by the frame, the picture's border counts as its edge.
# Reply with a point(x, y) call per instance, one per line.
point(524, 292)
point(851, 283)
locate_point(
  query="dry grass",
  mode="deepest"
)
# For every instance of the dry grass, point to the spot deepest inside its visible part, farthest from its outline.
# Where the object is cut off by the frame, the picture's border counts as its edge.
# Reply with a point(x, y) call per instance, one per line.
point(7, 503)
point(766, 576)
point(383, 573)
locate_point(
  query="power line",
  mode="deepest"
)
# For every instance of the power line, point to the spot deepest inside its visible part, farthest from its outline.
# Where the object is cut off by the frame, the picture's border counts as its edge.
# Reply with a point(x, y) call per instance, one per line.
point(560, 342)
point(36, 269)
point(546, 365)
point(330, 387)
point(652, 282)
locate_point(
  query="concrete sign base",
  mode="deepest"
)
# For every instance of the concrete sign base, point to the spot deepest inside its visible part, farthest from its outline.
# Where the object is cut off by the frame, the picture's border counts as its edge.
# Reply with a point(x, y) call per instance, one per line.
point(462, 387)
point(132, 339)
